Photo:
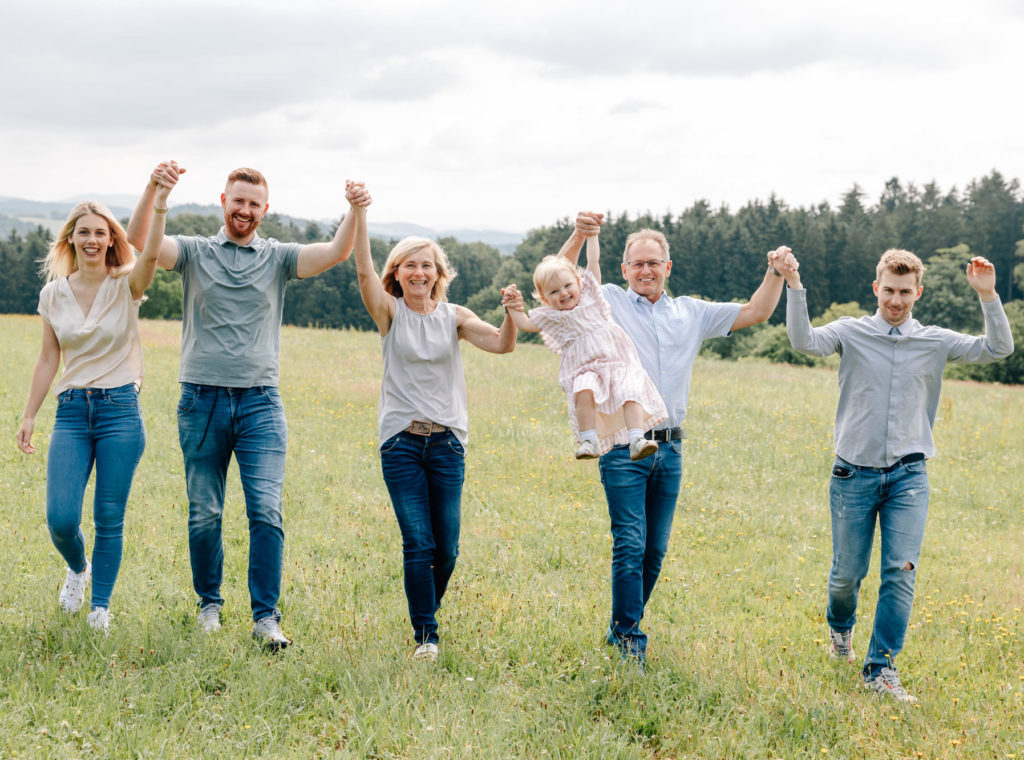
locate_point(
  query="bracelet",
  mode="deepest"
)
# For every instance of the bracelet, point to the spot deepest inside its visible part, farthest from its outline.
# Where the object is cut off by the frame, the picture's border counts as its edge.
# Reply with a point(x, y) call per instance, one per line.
point(160, 210)
point(774, 271)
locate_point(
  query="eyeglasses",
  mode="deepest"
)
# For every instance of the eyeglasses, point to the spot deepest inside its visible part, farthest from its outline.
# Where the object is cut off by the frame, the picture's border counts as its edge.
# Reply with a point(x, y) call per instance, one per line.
point(650, 263)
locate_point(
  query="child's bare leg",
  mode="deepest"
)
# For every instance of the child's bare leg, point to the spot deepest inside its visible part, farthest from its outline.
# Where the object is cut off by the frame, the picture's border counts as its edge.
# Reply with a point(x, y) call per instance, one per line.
point(586, 419)
point(633, 414)
point(586, 411)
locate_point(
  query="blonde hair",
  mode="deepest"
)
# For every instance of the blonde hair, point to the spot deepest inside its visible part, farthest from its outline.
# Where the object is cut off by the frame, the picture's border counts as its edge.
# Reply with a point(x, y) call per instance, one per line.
point(61, 261)
point(646, 234)
point(548, 267)
point(406, 248)
point(900, 262)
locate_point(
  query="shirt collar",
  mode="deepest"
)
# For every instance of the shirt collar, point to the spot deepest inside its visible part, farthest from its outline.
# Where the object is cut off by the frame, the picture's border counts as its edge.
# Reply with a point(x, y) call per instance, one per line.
point(637, 298)
point(907, 327)
point(223, 239)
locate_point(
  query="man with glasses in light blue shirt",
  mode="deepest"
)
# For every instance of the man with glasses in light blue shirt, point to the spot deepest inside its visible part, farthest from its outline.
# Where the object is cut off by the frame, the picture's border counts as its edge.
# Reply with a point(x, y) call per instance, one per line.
point(667, 332)
point(890, 375)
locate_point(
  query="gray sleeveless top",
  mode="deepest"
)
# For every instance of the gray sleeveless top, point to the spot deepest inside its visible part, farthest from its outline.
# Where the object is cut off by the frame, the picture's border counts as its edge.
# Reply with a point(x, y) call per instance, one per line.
point(423, 378)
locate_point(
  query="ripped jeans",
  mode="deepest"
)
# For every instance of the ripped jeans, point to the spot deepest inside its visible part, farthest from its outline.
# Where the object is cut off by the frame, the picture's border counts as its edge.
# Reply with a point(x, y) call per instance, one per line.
point(898, 498)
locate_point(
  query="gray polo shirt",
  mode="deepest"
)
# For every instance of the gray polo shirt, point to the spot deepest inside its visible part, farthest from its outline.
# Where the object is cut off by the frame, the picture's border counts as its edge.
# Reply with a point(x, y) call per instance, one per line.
point(889, 383)
point(231, 318)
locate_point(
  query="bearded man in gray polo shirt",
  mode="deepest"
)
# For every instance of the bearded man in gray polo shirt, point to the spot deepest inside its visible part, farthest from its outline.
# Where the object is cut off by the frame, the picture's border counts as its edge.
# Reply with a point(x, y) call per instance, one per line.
point(890, 375)
point(234, 286)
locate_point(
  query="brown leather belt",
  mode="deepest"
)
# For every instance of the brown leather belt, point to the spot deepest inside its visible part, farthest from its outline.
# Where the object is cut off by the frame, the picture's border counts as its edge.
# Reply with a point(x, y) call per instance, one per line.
point(419, 427)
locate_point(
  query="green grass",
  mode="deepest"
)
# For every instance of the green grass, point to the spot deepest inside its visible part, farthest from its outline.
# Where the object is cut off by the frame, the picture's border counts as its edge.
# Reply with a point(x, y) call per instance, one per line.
point(736, 663)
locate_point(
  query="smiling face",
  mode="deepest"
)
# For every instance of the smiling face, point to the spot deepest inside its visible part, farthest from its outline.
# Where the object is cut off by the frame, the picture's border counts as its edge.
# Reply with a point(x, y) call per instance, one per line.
point(417, 273)
point(244, 205)
point(897, 294)
point(90, 240)
point(646, 269)
point(561, 290)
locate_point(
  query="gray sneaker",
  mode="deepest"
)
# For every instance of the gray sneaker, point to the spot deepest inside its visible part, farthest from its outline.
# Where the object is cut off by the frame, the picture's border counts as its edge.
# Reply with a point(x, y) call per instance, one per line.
point(268, 632)
point(888, 682)
point(209, 618)
point(72, 593)
point(840, 646)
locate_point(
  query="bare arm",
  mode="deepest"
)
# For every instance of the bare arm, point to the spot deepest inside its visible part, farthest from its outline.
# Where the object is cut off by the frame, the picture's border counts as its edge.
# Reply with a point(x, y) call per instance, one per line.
point(42, 378)
point(318, 257)
point(764, 300)
point(378, 302)
point(145, 265)
point(484, 336)
point(594, 257)
point(166, 175)
point(588, 223)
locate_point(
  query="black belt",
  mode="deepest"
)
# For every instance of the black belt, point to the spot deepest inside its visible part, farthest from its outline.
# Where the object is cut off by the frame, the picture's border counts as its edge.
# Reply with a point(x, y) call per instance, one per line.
point(662, 435)
point(917, 456)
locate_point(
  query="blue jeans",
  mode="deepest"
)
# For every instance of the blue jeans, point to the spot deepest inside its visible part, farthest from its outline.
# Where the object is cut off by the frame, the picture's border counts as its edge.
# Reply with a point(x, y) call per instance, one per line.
point(101, 426)
point(898, 498)
point(424, 477)
point(641, 503)
point(213, 423)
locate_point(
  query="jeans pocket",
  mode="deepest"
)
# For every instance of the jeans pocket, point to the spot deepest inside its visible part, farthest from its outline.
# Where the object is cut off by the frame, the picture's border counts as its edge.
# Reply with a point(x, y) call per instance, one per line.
point(841, 471)
point(128, 397)
point(187, 402)
point(389, 444)
point(455, 445)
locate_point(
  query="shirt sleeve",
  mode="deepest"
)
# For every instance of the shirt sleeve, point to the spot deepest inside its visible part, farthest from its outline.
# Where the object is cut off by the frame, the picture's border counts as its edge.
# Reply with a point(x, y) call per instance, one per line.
point(289, 253)
point(995, 344)
point(45, 301)
point(717, 319)
point(813, 341)
point(187, 248)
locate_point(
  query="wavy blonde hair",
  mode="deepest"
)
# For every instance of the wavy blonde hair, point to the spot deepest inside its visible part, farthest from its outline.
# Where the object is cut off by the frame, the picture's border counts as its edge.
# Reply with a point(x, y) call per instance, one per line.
point(61, 261)
point(406, 248)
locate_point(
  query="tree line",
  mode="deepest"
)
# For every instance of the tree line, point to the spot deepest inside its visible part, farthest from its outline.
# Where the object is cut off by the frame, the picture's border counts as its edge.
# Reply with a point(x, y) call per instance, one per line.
point(717, 253)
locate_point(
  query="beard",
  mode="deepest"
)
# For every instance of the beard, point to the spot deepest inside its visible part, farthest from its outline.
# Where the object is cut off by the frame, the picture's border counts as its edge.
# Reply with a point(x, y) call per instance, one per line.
point(240, 228)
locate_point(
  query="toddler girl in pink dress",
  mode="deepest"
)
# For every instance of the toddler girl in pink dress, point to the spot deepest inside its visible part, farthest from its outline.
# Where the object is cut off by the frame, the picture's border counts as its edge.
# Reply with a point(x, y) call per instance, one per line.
point(611, 398)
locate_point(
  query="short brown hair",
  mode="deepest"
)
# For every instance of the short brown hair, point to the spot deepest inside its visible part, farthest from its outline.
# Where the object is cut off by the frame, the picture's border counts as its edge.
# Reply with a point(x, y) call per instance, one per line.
point(245, 174)
point(900, 262)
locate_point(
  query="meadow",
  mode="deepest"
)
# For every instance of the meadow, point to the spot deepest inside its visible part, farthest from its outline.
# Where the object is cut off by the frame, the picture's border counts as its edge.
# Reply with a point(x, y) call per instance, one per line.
point(736, 666)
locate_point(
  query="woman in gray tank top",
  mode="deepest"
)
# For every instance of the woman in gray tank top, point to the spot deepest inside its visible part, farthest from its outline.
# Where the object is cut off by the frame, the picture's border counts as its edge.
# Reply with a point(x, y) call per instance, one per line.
point(423, 420)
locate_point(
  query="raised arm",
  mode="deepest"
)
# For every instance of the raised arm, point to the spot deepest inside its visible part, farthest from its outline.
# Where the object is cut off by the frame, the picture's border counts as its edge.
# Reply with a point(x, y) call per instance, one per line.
point(166, 175)
point(764, 300)
point(813, 341)
point(594, 257)
point(588, 223)
point(145, 264)
point(42, 378)
point(315, 258)
point(379, 304)
point(484, 336)
point(997, 342)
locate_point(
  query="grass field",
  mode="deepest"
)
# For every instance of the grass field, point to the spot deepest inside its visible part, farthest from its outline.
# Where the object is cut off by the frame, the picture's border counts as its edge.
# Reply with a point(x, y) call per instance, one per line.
point(736, 665)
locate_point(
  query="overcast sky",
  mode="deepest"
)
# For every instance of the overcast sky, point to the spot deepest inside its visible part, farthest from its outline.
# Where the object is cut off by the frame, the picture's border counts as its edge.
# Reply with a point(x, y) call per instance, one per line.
point(510, 116)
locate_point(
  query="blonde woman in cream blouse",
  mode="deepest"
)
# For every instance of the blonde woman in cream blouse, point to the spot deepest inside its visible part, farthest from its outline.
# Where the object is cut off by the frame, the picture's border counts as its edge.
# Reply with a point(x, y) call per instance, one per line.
point(90, 310)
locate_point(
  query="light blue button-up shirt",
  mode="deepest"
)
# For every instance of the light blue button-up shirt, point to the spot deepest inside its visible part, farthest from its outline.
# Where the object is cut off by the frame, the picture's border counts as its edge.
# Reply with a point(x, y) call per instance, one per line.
point(889, 384)
point(668, 334)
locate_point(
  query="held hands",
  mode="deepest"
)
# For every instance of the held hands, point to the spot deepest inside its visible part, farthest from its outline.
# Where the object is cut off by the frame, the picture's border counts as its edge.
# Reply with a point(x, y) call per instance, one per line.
point(166, 174)
point(25, 436)
point(512, 299)
point(785, 263)
point(588, 223)
point(981, 274)
point(357, 195)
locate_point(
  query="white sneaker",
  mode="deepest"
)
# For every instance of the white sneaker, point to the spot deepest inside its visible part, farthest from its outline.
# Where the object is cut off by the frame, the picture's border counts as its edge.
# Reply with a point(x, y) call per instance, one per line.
point(268, 632)
point(99, 619)
point(209, 618)
point(72, 594)
point(426, 652)
point(888, 682)
point(641, 448)
point(587, 450)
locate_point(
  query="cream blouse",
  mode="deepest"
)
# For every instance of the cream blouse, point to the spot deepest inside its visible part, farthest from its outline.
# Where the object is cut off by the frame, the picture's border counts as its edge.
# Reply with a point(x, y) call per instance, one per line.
point(101, 349)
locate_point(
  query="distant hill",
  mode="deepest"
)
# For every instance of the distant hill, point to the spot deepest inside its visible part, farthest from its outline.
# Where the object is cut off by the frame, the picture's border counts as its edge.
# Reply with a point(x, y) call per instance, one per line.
point(20, 214)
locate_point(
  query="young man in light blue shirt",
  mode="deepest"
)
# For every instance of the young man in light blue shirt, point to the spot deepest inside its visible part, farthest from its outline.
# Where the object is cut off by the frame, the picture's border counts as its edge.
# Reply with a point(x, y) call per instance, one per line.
point(234, 286)
point(890, 375)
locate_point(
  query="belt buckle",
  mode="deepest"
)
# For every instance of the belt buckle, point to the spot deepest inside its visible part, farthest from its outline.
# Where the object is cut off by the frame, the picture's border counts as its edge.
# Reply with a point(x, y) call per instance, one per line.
point(418, 427)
